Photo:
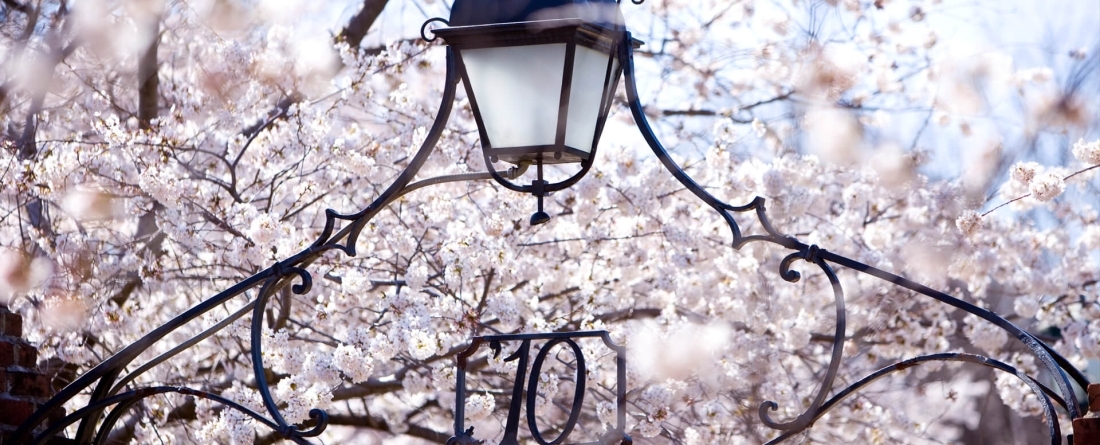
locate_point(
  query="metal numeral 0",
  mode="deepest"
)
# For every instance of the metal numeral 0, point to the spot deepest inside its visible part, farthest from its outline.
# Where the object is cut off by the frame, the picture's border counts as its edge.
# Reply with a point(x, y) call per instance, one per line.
point(532, 390)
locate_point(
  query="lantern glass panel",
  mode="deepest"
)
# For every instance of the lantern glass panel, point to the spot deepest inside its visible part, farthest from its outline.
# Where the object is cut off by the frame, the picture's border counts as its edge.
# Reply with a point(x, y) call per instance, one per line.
point(585, 94)
point(518, 90)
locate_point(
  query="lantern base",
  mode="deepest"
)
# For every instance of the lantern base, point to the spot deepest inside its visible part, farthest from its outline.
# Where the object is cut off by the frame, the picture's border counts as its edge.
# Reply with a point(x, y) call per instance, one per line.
point(549, 154)
point(540, 218)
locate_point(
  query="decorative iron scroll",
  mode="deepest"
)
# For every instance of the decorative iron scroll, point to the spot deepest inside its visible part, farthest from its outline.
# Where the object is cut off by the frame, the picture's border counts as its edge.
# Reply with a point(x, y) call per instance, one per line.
point(615, 435)
point(1061, 371)
point(112, 382)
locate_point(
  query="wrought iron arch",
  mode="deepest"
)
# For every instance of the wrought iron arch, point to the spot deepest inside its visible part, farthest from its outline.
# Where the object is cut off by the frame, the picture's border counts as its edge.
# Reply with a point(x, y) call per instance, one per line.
point(97, 418)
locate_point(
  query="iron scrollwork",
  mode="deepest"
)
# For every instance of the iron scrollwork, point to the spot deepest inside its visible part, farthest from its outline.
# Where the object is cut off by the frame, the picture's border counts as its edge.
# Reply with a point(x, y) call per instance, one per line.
point(1064, 374)
point(615, 435)
point(112, 384)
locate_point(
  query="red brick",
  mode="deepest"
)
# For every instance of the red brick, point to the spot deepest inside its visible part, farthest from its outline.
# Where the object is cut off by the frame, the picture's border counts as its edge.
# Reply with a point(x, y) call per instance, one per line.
point(29, 384)
point(13, 324)
point(14, 412)
point(7, 353)
point(3, 381)
point(26, 355)
point(1094, 397)
point(1086, 431)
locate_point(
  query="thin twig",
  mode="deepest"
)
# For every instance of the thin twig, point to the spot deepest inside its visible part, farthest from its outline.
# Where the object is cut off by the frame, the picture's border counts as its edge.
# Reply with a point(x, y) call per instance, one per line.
point(1029, 194)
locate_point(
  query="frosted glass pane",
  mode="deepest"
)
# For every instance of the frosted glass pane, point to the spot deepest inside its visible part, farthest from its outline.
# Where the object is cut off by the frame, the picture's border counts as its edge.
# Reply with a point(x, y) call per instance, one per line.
point(517, 89)
point(589, 73)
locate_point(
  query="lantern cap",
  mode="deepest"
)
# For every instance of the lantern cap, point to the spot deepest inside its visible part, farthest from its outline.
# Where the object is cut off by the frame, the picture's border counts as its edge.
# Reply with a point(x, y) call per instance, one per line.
point(605, 13)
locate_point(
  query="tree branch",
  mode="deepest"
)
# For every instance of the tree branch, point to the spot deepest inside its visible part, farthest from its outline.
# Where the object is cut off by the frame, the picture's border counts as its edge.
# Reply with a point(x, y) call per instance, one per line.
point(17, 6)
point(147, 77)
point(359, 24)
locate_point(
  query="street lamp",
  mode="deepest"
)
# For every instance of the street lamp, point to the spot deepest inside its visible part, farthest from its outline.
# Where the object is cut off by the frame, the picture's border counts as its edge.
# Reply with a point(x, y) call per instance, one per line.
point(540, 76)
point(509, 55)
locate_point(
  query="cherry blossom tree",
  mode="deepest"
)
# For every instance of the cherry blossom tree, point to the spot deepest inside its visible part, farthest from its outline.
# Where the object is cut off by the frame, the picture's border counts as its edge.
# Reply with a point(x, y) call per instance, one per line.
point(155, 153)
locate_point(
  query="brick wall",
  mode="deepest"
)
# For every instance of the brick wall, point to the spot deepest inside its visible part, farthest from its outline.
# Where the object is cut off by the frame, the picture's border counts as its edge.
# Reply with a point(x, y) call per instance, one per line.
point(23, 387)
point(1086, 430)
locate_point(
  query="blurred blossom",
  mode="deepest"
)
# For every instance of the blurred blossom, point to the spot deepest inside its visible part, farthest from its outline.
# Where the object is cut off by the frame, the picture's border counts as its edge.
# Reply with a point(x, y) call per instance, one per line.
point(993, 66)
point(649, 428)
point(1052, 109)
point(227, 16)
point(981, 165)
point(422, 344)
point(606, 411)
point(894, 167)
point(263, 229)
point(960, 98)
point(983, 334)
point(1015, 189)
point(684, 349)
point(90, 205)
point(829, 72)
point(759, 128)
point(927, 260)
point(1046, 187)
point(1032, 75)
point(1085, 335)
point(878, 119)
point(1026, 306)
point(1090, 237)
point(930, 40)
point(280, 11)
point(18, 275)
point(315, 55)
point(834, 134)
point(353, 362)
point(965, 128)
point(64, 314)
point(596, 12)
point(969, 223)
point(776, 19)
point(1087, 152)
point(14, 273)
point(480, 406)
point(1017, 395)
point(93, 23)
point(144, 9)
point(1024, 172)
point(941, 118)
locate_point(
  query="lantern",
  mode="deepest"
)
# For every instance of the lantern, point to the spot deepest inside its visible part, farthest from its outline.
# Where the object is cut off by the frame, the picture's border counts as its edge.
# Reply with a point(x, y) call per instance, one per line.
point(540, 76)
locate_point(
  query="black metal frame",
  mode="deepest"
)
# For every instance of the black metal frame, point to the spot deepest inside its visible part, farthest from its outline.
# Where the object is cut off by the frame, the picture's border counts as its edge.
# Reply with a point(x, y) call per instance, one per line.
point(1054, 363)
point(109, 381)
point(105, 376)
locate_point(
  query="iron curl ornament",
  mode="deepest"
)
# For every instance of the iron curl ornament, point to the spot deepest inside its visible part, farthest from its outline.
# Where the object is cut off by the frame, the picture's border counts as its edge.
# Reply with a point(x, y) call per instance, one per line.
point(1063, 373)
point(113, 391)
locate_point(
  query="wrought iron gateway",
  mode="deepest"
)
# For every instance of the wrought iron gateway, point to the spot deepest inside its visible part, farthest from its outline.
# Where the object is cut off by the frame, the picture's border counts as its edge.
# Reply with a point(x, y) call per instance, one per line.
point(579, 60)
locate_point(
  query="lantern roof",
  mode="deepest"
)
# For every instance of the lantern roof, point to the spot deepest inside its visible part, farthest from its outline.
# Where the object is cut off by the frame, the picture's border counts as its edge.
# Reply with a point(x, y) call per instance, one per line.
point(605, 13)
